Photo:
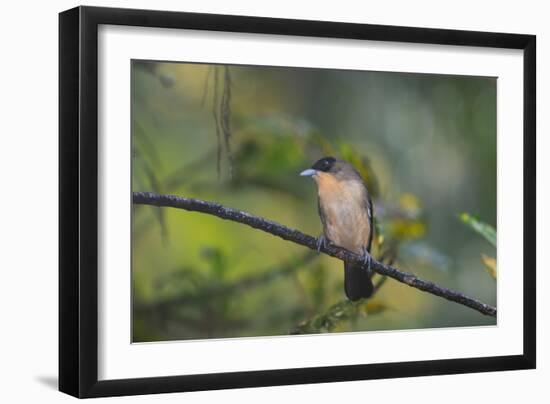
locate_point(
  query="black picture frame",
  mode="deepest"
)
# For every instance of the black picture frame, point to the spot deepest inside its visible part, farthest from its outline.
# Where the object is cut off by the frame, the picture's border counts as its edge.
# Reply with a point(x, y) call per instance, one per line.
point(78, 200)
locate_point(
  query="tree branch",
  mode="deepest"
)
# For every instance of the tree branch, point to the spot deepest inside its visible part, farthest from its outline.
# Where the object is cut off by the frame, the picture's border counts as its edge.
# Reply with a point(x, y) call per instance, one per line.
point(295, 236)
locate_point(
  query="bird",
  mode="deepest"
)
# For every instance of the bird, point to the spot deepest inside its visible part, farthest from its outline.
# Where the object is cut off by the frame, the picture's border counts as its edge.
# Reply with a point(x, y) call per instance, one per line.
point(346, 212)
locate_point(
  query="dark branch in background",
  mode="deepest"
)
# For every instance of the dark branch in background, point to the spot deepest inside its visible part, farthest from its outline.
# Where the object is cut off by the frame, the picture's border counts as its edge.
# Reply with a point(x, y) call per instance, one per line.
point(217, 123)
point(247, 282)
point(225, 109)
point(205, 88)
point(221, 112)
point(295, 236)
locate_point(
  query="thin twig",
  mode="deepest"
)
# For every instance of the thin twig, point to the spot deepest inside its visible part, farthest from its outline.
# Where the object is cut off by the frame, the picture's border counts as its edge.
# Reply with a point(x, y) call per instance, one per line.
point(344, 310)
point(217, 123)
point(205, 88)
point(295, 236)
point(225, 111)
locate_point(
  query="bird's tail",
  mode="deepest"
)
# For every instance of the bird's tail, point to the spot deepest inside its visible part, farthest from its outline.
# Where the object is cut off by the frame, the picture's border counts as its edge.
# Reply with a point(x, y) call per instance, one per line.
point(357, 282)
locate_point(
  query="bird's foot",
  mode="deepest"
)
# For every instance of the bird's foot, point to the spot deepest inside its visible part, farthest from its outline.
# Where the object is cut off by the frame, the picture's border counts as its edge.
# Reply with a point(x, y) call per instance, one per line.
point(367, 259)
point(321, 242)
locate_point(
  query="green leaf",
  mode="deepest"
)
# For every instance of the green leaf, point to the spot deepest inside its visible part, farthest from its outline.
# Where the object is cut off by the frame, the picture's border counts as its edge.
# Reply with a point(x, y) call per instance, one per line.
point(480, 227)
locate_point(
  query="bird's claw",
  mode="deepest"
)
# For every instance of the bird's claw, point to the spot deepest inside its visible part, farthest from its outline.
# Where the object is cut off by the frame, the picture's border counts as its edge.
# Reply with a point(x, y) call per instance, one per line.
point(321, 242)
point(367, 259)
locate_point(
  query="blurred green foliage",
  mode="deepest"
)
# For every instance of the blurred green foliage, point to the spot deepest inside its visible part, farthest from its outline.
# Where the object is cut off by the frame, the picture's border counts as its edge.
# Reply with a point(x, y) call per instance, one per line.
point(487, 231)
point(490, 234)
point(239, 135)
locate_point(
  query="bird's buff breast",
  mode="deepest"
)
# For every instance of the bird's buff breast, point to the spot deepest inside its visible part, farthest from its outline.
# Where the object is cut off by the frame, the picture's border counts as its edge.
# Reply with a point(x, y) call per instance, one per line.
point(343, 204)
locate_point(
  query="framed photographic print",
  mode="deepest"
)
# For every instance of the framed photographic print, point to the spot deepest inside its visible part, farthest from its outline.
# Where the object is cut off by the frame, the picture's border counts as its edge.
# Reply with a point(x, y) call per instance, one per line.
point(252, 201)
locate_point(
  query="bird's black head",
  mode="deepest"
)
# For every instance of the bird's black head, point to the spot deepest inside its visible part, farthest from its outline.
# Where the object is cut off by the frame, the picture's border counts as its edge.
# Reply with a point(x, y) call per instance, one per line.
point(339, 169)
point(326, 164)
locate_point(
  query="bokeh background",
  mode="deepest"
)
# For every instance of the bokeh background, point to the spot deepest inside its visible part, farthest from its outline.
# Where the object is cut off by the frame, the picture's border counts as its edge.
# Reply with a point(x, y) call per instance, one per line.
point(240, 135)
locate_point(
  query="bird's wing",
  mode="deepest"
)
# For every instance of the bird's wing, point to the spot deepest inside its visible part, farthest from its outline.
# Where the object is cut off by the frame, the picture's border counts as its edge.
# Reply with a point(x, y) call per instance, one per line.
point(322, 215)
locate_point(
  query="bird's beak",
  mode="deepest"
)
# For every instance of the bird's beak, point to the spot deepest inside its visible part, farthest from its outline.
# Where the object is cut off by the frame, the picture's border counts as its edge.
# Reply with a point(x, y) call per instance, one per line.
point(308, 173)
